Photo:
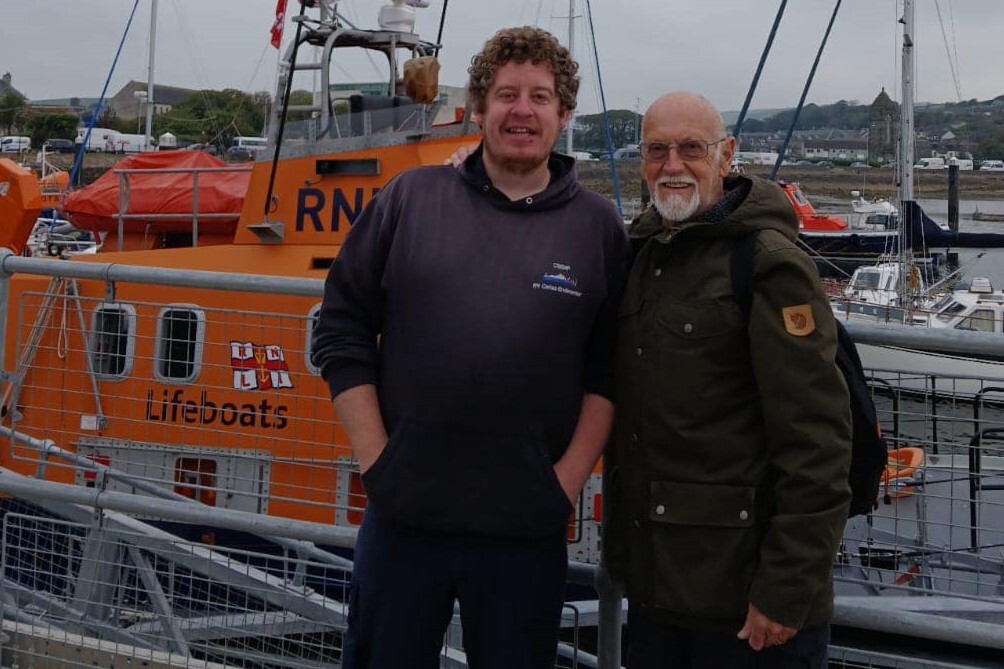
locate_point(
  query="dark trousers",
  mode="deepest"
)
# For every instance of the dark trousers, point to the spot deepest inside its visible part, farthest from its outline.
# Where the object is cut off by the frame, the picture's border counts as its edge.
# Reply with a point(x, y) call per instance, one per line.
point(652, 645)
point(405, 581)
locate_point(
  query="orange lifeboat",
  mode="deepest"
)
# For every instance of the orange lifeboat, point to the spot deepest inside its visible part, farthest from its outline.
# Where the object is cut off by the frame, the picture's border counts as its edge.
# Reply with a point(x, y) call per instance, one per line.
point(20, 204)
point(808, 218)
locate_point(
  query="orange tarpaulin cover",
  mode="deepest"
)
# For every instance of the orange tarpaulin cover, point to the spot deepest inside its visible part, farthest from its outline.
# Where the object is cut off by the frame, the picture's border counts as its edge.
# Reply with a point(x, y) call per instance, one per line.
point(97, 205)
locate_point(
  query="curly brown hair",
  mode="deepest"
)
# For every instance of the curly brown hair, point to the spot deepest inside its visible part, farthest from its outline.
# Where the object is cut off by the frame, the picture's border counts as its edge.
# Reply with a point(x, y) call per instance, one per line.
point(520, 45)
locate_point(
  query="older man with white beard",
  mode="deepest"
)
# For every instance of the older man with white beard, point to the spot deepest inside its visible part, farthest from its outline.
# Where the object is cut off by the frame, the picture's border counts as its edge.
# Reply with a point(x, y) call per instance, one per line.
point(727, 478)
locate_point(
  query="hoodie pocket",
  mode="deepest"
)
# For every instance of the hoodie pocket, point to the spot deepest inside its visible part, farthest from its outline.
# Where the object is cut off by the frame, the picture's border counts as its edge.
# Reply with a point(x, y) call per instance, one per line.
point(463, 479)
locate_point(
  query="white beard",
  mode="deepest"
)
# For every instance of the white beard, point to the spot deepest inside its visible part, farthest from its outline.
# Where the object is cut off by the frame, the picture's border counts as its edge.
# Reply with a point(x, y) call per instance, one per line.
point(676, 208)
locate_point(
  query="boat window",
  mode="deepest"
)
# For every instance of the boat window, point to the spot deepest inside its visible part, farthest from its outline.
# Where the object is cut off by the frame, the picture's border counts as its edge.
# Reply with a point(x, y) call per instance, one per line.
point(309, 345)
point(866, 280)
point(981, 320)
point(941, 303)
point(178, 349)
point(112, 345)
point(950, 311)
point(799, 198)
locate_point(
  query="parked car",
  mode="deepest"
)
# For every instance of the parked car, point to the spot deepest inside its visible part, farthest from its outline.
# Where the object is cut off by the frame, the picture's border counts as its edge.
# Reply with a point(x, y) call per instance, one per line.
point(59, 146)
point(199, 146)
point(825, 163)
point(241, 152)
point(992, 166)
point(860, 165)
point(627, 153)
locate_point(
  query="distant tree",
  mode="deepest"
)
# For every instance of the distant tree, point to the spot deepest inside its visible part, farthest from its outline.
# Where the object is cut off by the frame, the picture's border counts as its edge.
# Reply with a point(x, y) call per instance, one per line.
point(12, 110)
point(216, 117)
point(991, 148)
point(590, 130)
point(109, 119)
point(43, 127)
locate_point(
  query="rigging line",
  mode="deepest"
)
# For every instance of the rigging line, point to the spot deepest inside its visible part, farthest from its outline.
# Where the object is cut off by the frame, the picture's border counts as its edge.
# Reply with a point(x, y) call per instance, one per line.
point(952, 65)
point(356, 17)
point(193, 48)
point(606, 116)
point(294, 48)
point(738, 127)
point(805, 93)
point(101, 101)
point(955, 42)
point(442, 22)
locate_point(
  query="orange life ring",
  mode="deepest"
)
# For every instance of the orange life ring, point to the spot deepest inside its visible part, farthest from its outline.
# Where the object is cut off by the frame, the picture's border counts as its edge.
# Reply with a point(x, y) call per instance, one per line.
point(900, 470)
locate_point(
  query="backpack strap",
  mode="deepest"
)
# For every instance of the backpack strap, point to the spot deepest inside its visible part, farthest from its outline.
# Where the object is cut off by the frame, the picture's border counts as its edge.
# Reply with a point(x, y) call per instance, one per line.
point(741, 271)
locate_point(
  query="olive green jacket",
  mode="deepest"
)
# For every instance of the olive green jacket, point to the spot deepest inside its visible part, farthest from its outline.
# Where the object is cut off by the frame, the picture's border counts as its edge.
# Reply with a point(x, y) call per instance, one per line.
point(727, 477)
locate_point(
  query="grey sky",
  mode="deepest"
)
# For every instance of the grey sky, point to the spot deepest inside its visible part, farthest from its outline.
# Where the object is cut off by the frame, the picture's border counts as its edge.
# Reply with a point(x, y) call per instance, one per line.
point(62, 48)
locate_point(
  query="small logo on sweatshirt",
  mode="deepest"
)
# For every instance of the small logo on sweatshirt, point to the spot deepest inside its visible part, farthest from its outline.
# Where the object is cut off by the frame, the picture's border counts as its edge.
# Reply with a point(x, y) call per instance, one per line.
point(559, 279)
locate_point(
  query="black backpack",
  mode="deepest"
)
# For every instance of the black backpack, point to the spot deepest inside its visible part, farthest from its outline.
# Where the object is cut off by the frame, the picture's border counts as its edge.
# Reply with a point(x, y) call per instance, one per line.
point(868, 451)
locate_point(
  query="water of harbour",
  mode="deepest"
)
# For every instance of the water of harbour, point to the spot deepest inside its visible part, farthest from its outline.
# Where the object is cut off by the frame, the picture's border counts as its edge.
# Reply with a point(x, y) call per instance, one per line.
point(974, 262)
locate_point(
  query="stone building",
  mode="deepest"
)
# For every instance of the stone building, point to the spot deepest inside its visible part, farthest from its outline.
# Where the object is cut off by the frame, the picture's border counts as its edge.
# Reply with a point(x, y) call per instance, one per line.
point(125, 104)
point(883, 129)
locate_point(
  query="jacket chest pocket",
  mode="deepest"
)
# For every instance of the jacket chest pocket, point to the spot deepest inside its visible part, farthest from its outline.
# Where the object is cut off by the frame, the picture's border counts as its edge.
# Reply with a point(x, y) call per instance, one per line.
point(703, 347)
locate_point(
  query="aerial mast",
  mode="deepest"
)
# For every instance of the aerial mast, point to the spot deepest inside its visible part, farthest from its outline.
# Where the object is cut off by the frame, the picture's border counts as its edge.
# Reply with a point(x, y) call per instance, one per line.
point(571, 50)
point(906, 139)
point(906, 133)
point(148, 137)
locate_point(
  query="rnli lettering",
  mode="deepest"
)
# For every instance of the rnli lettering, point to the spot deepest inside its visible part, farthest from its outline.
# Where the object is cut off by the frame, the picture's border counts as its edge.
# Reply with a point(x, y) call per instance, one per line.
point(175, 408)
point(313, 208)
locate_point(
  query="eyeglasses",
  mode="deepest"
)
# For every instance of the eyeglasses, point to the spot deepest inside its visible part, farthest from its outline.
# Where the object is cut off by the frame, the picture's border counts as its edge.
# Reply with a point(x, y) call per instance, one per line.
point(692, 149)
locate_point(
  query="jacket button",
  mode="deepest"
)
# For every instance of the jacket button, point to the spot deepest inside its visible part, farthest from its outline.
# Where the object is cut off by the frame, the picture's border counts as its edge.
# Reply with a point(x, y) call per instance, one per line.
point(635, 523)
point(634, 437)
point(688, 328)
point(660, 509)
point(744, 515)
point(658, 271)
point(486, 188)
point(638, 351)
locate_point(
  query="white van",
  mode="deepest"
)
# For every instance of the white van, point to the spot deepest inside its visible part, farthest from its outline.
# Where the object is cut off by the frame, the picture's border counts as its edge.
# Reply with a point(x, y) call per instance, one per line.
point(930, 164)
point(101, 139)
point(965, 164)
point(251, 144)
point(15, 144)
point(992, 166)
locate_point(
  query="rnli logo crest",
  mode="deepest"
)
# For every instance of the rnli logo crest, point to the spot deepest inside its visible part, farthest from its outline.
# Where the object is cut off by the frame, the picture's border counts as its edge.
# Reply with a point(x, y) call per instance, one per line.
point(259, 367)
point(798, 320)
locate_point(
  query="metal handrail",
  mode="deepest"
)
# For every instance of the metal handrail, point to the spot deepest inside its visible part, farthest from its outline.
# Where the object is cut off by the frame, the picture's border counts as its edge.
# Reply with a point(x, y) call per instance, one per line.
point(124, 193)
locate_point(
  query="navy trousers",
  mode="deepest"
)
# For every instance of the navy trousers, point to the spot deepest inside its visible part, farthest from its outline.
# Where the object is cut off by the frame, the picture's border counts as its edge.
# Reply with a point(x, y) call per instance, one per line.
point(405, 582)
point(652, 645)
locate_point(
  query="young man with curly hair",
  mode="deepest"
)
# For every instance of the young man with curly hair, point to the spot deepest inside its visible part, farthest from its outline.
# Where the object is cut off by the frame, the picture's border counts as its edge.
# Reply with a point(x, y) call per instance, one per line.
point(481, 410)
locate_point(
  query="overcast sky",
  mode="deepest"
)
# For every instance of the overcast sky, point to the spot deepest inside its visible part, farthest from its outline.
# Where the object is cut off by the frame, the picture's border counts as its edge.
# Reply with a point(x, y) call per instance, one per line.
point(63, 48)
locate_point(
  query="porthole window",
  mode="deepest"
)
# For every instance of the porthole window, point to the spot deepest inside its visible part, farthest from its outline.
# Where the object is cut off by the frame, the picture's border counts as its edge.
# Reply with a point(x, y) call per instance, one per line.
point(113, 340)
point(178, 349)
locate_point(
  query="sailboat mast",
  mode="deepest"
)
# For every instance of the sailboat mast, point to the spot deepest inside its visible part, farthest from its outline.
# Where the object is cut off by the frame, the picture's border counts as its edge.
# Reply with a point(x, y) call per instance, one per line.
point(571, 51)
point(906, 133)
point(148, 137)
point(906, 138)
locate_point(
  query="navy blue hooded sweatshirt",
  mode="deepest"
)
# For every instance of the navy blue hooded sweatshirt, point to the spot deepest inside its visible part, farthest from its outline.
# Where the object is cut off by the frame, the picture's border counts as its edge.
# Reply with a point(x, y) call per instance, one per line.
point(482, 322)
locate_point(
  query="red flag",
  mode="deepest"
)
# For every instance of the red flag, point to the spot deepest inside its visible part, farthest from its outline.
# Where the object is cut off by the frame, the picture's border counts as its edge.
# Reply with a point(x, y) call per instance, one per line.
point(279, 24)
